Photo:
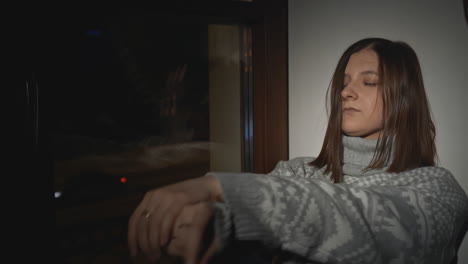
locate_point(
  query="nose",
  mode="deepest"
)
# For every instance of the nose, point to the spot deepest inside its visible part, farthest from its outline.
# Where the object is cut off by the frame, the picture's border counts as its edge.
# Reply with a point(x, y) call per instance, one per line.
point(348, 92)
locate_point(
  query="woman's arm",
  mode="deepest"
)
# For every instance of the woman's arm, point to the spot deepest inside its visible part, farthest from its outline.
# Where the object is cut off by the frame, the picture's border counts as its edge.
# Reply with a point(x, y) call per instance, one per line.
point(415, 221)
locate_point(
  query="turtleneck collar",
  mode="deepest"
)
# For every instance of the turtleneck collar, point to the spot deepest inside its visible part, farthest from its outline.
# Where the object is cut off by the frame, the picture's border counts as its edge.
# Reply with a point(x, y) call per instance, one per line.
point(357, 155)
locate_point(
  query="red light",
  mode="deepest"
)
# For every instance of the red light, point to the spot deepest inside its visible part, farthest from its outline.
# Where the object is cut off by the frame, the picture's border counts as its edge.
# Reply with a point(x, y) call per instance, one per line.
point(123, 180)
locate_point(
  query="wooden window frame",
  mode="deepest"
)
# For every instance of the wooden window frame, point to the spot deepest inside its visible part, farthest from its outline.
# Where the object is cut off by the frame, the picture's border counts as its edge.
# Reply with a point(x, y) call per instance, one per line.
point(265, 107)
point(265, 121)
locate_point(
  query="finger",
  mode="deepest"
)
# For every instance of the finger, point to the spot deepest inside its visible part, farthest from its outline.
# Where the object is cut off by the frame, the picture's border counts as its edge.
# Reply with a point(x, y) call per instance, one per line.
point(174, 214)
point(210, 252)
point(160, 228)
point(167, 227)
point(178, 223)
point(162, 203)
point(201, 216)
point(144, 230)
point(192, 247)
point(132, 234)
point(152, 250)
point(143, 234)
point(179, 232)
point(176, 247)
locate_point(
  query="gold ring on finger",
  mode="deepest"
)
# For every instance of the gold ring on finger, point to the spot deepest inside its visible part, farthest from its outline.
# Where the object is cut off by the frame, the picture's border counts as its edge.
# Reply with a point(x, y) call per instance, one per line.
point(146, 213)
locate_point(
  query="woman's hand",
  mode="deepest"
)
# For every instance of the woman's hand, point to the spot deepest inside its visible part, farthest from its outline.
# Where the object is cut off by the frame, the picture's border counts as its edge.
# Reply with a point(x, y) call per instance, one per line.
point(193, 236)
point(152, 222)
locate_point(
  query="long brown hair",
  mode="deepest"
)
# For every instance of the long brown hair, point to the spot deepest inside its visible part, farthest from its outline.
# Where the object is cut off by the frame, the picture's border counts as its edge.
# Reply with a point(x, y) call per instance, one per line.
point(407, 123)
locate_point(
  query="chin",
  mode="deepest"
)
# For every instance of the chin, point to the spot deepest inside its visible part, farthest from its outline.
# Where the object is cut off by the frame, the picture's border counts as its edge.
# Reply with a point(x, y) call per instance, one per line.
point(351, 132)
point(361, 135)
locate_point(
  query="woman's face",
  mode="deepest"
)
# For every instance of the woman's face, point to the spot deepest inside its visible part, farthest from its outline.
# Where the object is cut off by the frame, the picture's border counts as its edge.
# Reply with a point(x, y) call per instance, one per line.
point(361, 99)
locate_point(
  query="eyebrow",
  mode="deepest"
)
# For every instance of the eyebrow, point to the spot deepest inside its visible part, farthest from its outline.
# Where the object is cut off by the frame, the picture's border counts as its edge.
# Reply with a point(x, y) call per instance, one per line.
point(369, 72)
point(365, 73)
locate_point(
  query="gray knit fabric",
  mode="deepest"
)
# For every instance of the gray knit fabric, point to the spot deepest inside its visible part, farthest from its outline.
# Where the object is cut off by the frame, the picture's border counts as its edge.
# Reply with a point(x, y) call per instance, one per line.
point(373, 217)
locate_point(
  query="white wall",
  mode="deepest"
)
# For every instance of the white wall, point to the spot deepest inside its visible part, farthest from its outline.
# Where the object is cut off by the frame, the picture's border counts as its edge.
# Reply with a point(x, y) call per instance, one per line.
point(319, 31)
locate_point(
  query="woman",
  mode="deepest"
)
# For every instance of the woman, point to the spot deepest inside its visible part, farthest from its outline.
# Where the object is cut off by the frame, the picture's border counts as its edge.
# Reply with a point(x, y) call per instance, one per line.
point(373, 195)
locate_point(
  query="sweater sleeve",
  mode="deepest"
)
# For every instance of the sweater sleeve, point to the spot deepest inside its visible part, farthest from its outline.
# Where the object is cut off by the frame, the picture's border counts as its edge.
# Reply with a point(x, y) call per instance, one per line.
point(295, 167)
point(402, 218)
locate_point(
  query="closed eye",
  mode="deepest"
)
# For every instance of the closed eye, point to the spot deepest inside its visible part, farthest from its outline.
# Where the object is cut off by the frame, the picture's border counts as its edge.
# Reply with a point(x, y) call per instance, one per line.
point(370, 84)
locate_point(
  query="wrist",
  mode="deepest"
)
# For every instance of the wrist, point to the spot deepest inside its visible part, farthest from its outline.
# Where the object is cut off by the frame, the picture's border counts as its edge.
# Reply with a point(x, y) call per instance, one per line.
point(216, 192)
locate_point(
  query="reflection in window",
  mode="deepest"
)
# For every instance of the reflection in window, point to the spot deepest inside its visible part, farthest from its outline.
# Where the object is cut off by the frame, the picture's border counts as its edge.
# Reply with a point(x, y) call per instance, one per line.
point(139, 101)
point(149, 101)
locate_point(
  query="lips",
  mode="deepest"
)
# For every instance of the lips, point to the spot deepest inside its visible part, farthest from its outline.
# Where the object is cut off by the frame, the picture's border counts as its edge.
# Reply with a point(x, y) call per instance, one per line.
point(350, 109)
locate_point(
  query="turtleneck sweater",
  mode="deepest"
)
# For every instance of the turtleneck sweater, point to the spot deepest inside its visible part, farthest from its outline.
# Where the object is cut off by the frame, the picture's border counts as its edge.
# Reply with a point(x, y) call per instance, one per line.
point(358, 154)
point(373, 216)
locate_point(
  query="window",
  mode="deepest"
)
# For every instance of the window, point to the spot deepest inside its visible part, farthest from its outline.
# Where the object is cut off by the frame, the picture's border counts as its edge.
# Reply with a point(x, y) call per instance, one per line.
point(139, 98)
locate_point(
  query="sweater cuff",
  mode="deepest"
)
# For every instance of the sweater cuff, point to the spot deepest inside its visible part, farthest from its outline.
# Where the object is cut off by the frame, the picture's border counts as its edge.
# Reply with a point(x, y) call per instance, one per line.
point(243, 199)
